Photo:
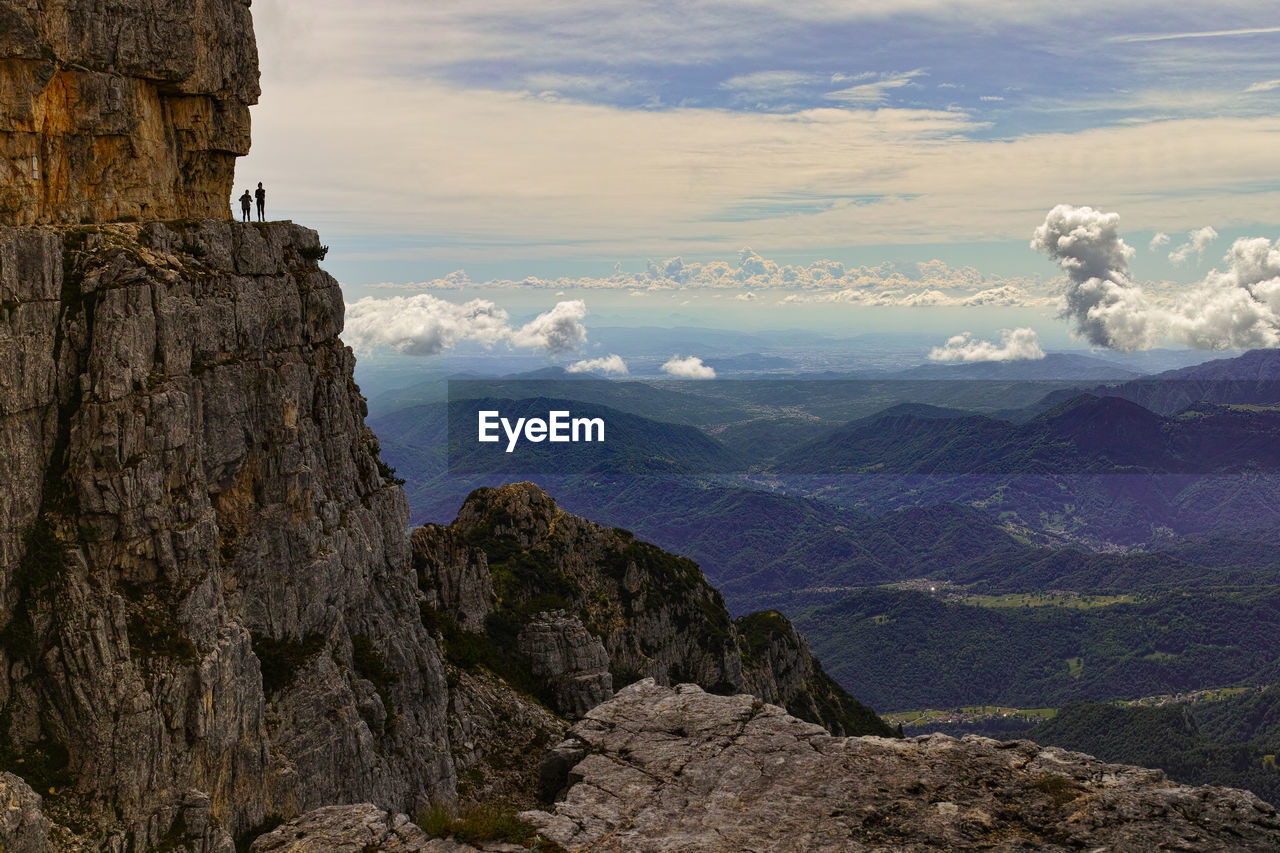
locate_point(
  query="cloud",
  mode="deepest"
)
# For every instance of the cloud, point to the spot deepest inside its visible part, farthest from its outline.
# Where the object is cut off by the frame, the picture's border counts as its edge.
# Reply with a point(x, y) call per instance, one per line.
point(1158, 240)
point(931, 282)
point(877, 90)
point(1197, 241)
point(688, 368)
point(422, 324)
point(426, 325)
point(1006, 295)
point(612, 364)
point(1200, 34)
point(1015, 344)
point(558, 330)
point(1235, 308)
point(1106, 308)
point(1263, 86)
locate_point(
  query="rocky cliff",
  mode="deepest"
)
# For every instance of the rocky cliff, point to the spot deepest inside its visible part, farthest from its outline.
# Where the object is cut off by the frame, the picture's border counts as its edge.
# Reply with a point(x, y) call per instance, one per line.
point(132, 111)
point(208, 613)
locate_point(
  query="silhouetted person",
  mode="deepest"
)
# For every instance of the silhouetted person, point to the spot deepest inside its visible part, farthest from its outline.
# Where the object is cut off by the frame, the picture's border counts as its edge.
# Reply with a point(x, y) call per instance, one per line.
point(246, 201)
point(261, 195)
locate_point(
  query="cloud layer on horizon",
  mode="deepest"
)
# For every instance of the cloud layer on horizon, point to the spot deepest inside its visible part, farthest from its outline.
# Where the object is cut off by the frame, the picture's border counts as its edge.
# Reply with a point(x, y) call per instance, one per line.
point(924, 283)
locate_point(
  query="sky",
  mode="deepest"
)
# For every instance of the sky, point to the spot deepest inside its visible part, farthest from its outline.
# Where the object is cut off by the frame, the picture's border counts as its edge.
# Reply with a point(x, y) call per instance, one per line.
point(584, 145)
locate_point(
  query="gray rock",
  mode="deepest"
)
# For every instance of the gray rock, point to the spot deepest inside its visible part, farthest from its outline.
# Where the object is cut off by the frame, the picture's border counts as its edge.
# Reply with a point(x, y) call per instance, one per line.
point(571, 660)
point(192, 480)
point(682, 770)
point(453, 576)
point(360, 828)
point(23, 826)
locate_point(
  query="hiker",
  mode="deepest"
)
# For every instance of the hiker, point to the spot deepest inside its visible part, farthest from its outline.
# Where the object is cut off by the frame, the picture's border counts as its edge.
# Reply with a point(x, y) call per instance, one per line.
point(246, 201)
point(261, 195)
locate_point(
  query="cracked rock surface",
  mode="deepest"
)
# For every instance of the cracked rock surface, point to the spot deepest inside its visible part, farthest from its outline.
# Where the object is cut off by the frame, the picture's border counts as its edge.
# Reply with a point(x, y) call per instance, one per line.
point(662, 769)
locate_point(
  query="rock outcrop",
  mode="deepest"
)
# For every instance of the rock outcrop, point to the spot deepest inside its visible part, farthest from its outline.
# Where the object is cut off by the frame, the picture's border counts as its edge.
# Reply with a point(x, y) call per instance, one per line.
point(661, 769)
point(135, 111)
point(573, 661)
point(23, 826)
point(208, 612)
point(654, 613)
point(358, 828)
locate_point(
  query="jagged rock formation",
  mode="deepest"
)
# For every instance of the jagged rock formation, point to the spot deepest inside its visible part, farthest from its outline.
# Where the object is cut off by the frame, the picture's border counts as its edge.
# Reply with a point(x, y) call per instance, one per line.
point(572, 660)
point(191, 490)
point(136, 112)
point(654, 613)
point(657, 769)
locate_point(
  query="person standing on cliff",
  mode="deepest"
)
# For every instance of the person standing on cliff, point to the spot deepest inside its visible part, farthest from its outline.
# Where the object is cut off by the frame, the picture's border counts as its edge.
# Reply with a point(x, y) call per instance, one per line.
point(246, 201)
point(261, 195)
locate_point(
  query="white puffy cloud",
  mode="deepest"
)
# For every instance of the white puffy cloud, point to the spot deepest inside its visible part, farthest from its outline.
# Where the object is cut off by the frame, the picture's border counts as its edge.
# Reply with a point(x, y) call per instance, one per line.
point(688, 368)
point(747, 297)
point(423, 324)
point(611, 364)
point(1106, 307)
point(1158, 240)
point(558, 330)
point(1235, 308)
point(1015, 344)
point(1197, 241)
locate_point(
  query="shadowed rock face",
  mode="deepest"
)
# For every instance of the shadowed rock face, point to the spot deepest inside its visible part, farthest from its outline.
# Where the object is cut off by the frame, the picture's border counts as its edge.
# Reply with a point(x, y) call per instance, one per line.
point(661, 769)
point(206, 603)
point(136, 111)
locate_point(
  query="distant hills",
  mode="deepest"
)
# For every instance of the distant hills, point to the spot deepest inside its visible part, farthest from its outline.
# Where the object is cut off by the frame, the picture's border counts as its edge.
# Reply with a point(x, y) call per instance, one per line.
point(1083, 434)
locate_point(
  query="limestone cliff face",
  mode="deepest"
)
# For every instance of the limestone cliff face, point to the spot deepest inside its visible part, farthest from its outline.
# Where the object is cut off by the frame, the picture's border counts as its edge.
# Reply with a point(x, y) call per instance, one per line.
point(207, 606)
point(650, 613)
point(135, 110)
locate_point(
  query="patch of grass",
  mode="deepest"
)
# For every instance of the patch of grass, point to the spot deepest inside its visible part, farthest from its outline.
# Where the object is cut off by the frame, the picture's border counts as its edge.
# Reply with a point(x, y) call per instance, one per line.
point(280, 660)
point(1059, 788)
point(488, 822)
